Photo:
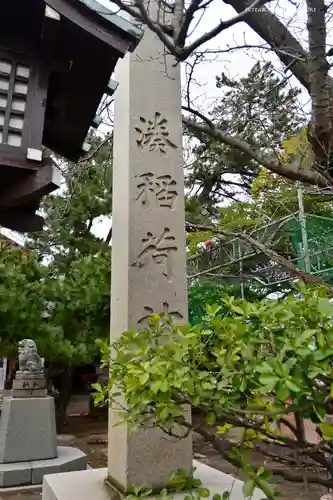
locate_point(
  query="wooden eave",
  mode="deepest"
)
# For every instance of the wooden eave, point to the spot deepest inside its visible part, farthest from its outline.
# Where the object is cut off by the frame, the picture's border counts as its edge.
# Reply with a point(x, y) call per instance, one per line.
point(78, 46)
point(98, 21)
point(89, 44)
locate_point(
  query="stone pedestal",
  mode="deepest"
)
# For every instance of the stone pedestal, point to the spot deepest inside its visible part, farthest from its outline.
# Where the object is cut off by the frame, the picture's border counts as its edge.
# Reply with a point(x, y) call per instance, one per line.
point(90, 485)
point(28, 438)
point(29, 385)
point(32, 472)
point(27, 429)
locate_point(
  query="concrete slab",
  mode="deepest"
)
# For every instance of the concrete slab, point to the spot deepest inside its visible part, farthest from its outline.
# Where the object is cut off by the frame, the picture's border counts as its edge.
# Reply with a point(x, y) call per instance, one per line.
point(15, 474)
point(32, 488)
point(87, 484)
point(91, 484)
point(68, 460)
point(31, 473)
point(22, 489)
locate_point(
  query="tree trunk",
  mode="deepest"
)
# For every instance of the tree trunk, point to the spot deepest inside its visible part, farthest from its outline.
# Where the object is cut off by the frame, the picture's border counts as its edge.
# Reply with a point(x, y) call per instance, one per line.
point(321, 124)
point(64, 396)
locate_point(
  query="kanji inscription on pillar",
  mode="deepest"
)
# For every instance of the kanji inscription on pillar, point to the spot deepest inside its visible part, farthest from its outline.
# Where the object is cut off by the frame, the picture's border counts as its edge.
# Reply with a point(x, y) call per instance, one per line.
point(158, 248)
point(165, 312)
point(156, 190)
point(154, 134)
point(148, 238)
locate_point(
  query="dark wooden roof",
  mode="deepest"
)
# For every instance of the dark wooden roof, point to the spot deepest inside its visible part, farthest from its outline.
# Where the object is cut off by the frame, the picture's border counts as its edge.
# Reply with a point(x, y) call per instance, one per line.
point(90, 41)
point(79, 44)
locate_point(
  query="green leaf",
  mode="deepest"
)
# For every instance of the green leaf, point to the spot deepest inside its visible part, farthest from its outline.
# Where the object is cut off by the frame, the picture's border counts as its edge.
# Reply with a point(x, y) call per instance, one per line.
point(226, 495)
point(282, 392)
point(143, 379)
point(267, 475)
point(260, 471)
point(327, 430)
point(325, 307)
point(314, 371)
point(323, 353)
point(248, 488)
point(292, 386)
point(305, 336)
point(237, 309)
point(222, 429)
point(164, 413)
point(265, 368)
point(269, 381)
point(203, 492)
point(160, 385)
point(211, 418)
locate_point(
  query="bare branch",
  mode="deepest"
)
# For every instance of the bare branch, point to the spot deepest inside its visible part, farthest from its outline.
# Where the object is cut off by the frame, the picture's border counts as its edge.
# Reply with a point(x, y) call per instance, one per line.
point(219, 28)
point(109, 236)
point(187, 19)
point(140, 13)
point(277, 35)
point(246, 46)
point(178, 16)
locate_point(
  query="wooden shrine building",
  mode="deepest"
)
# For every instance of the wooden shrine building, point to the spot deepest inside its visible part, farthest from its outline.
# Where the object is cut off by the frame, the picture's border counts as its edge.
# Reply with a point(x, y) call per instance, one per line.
point(56, 61)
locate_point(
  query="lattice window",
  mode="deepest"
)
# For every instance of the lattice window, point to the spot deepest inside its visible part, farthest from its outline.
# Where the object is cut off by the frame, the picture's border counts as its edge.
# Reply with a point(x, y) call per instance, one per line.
point(14, 82)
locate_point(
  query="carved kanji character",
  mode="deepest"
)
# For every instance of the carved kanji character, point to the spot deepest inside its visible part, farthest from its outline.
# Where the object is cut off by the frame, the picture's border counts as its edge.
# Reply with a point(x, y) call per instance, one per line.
point(154, 134)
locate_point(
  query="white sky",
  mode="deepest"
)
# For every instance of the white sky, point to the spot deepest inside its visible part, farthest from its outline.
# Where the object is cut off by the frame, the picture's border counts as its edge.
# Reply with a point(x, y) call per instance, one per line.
point(235, 64)
point(238, 63)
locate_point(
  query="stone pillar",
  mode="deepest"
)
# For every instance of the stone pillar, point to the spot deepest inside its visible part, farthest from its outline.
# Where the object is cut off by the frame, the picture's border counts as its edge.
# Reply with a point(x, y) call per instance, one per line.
point(148, 238)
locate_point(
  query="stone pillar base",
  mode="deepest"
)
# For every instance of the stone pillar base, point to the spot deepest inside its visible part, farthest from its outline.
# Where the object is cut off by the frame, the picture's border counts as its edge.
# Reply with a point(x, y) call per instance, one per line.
point(88, 485)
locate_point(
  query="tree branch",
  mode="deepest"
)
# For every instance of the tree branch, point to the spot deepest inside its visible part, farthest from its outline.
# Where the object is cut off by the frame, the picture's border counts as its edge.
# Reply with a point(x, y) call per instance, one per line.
point(109, 236)
point(141, 14)
point(291, 475)
point(209, 128)
point(276, 34)
point(307, 278)
point(187, 19)
point(219, 28)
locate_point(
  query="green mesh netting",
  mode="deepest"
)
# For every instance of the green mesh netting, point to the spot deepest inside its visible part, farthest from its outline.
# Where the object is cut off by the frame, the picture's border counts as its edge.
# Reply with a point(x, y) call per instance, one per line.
point(235, 261)
point(319, 232)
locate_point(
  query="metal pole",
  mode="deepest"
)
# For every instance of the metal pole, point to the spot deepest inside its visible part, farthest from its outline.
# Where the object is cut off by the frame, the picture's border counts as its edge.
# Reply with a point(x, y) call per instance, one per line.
point(302, 221)
point(241, 269)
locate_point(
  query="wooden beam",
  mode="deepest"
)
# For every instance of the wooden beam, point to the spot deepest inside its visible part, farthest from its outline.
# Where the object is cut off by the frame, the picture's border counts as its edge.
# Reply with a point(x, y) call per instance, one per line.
point(50, 29)
point(21, 220)
point(32, 187)
point(79, 16)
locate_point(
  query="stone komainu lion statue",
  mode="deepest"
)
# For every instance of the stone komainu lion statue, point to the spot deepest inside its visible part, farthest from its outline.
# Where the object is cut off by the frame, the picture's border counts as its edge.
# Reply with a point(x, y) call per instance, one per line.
point(29, 359)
